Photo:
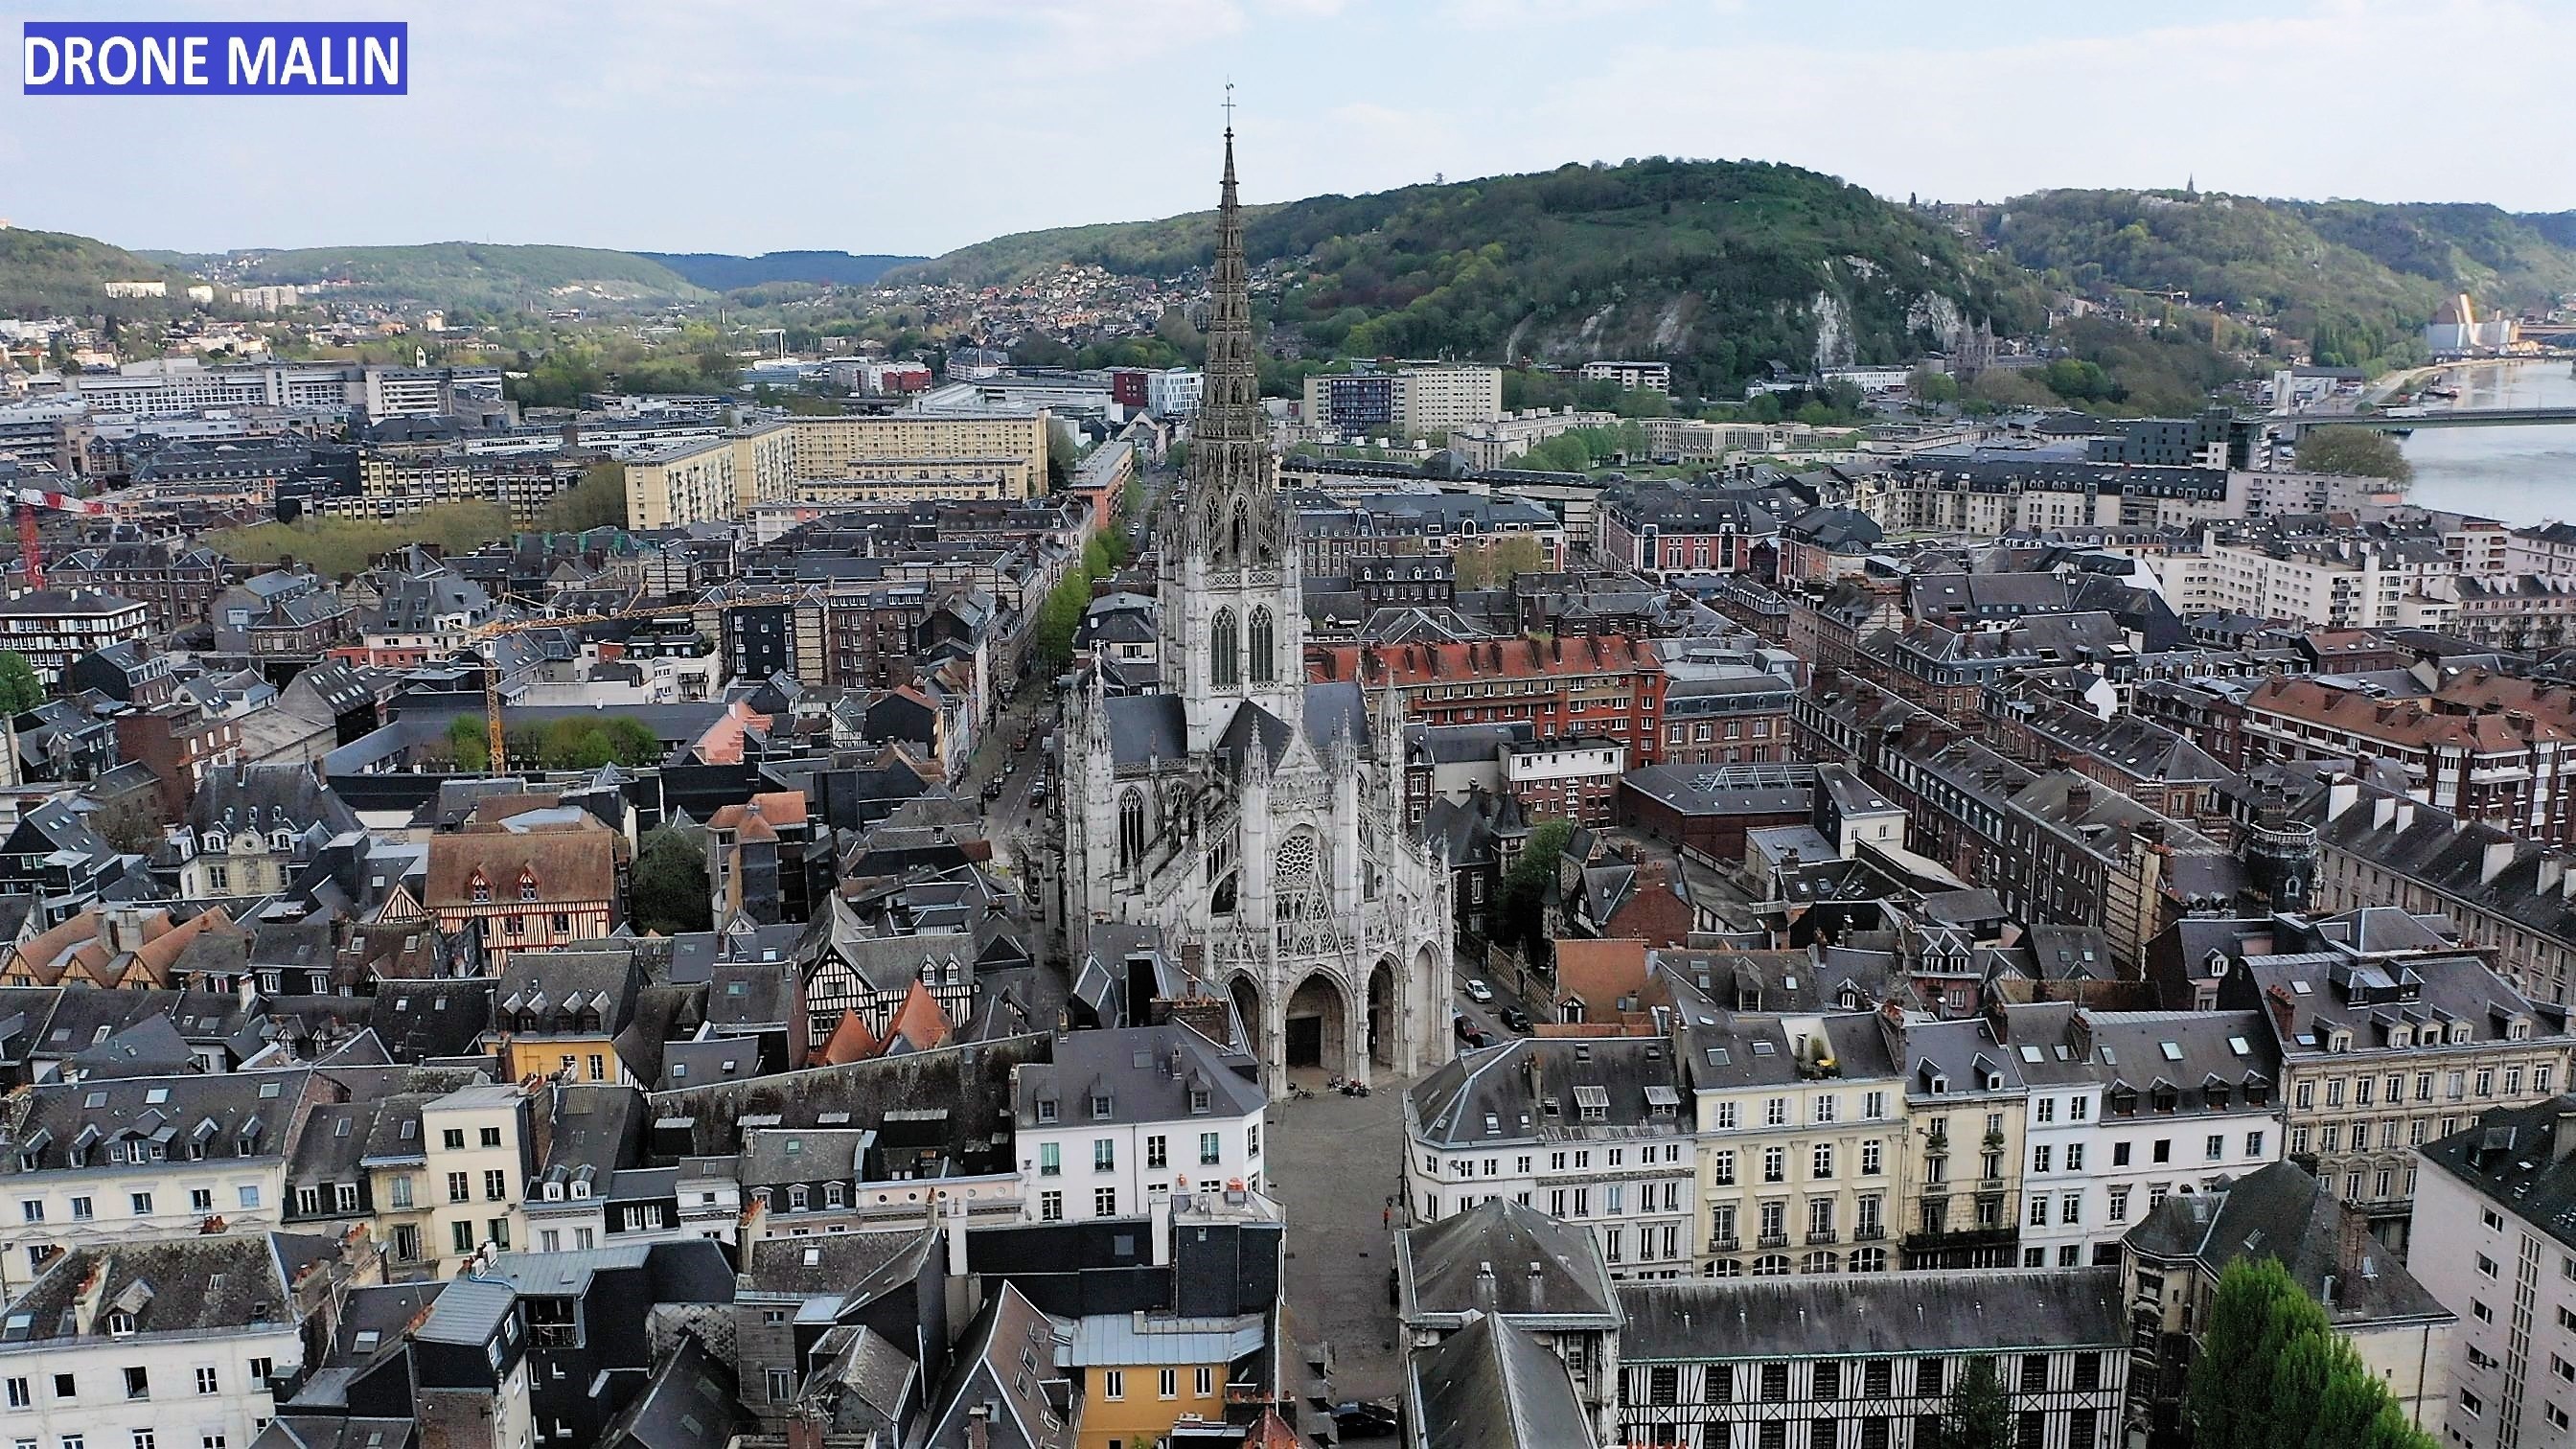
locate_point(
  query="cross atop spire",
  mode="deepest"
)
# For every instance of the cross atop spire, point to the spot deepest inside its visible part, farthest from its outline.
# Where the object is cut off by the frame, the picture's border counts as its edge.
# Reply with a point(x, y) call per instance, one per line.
point(1229, 110)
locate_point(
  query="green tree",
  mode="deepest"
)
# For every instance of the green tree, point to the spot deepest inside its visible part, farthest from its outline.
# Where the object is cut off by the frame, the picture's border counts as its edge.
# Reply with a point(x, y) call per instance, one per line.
point(2272, 1373)
point(468, 743)
point(597, 501)
point(1521, 905)
point(1932, 388)
point(1978, 1416)
point(20, 690)
point(1064, 448)
point(2364, 451)
point(669, 892)
point(127, 824)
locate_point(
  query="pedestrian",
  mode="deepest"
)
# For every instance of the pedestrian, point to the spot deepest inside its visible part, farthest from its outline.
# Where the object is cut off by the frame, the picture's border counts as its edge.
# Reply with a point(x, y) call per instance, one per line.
point(1386, 1217)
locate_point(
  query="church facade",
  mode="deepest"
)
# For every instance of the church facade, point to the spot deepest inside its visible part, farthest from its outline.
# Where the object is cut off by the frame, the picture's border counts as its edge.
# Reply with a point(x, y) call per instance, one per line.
point(1257, 819)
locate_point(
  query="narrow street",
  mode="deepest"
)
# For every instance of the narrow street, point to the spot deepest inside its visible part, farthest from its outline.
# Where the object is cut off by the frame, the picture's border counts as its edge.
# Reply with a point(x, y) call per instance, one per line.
point(1334, 1164)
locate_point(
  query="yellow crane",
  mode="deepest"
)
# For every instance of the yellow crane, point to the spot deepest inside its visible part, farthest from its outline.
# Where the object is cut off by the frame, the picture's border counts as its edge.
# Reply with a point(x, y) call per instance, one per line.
point(484, 636)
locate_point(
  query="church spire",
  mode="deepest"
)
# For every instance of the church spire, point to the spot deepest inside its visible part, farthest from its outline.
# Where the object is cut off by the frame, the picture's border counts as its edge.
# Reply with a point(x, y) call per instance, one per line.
point(1230, 404)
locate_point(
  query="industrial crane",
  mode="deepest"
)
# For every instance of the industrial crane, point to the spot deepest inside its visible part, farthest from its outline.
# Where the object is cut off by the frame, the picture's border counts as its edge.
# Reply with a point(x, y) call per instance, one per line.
point(31, 552)
point(485, 635)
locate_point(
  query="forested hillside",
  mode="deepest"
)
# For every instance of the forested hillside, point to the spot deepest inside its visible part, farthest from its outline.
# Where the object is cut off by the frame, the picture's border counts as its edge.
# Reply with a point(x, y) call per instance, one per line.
point(1722, 267)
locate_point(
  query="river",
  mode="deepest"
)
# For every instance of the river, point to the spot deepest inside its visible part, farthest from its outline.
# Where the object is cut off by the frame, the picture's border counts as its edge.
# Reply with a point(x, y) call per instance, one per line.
point(2516, 475)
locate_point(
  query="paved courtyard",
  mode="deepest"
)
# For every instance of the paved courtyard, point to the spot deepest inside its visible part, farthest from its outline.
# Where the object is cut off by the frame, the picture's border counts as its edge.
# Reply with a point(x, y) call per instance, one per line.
point(1334, 1162)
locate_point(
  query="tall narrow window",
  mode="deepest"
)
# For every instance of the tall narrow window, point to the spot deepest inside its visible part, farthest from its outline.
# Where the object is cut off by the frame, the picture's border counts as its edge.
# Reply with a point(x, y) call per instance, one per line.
point(1242, 530)
point(1221, 650)
point(1260, 638)
point(1131, 827)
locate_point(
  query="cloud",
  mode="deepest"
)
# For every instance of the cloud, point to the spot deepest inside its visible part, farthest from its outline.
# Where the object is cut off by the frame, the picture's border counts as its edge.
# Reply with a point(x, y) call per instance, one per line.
point(890, 126)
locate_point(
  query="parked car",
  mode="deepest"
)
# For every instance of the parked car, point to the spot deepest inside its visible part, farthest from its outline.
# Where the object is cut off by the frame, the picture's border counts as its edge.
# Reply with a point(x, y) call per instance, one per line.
point(1470, 1033)
point(1516, 1019)
point(1479, 992)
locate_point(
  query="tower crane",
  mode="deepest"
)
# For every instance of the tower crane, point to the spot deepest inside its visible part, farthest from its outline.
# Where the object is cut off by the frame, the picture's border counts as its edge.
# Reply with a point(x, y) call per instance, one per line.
point(485, 638)
point(31, 552)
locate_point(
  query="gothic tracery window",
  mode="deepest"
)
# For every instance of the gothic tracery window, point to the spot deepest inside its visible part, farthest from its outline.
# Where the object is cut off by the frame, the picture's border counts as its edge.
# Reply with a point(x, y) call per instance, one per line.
point(1221, 650)
point(1131, 827)
point(1262, 641)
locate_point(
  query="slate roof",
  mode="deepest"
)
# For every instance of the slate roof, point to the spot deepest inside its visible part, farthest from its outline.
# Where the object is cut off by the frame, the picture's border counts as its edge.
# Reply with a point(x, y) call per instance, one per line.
point(1007, 1360)
point(1546, 1272)
point(242, 1115)
point(1493, 1385)
point(1501, 1093)
point(181, 1285)
point(689, 1404)
point(2523, 1159)
point(1872, 1315)
point(1148, 1073)
point(2282, 1211)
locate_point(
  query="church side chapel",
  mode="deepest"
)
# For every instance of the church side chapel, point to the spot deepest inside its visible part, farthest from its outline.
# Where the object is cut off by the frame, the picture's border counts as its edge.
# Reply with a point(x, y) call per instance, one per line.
point(1256, 818)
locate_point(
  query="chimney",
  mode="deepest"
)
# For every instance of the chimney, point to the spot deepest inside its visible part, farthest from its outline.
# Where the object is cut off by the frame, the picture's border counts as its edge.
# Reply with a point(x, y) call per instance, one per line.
point(2405, 816)
point(1486, 1287)
point(2553, 869)
point(2079, 796)
point(2284, 1010)
point(979, 1426)
point(2342, 793)
point(2499, 854)
point(1161, 1214)
point(2382, 811)
point(953, 1210)
point(2562, 1140)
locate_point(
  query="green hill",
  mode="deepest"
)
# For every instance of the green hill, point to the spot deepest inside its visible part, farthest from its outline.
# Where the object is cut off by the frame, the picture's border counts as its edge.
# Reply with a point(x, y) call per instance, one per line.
point(43, 273)
point(723, 272)
point(2356, 280)
point(1721, 267)
point(474, 274)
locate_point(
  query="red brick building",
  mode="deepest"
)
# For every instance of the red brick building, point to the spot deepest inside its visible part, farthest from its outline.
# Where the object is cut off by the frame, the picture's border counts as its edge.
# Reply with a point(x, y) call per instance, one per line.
point(1605, 685)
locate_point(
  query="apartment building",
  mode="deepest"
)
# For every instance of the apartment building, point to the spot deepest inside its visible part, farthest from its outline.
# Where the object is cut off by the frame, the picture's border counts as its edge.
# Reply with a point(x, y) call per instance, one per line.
point(53, 627)
point(1801, 1142)
point(1872, 1362)
point(180, 1342)
point(478, 1153)
point(391, 485)
point(163, 386)
point(1606, 685)
point(1631, 376)
point(89, 1164)
point(1961, 1167)
point(2514, 896)
point(845, 447)
point(764, 465)
point(2480, 746)
point(1683, 528)
point(2383, 1050)
point(1129, 1120)
point(1496, 444)
point(2503, 1190)
point(683, 484)
point(2129, 1108)
point(2351, 580)
point(2519, 612)
point(1591, 1131)
point(1415, 402)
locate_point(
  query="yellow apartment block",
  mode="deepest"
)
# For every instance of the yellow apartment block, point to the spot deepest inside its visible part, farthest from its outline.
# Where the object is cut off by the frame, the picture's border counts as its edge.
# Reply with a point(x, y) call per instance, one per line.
point(678, 486)
point(846, 447)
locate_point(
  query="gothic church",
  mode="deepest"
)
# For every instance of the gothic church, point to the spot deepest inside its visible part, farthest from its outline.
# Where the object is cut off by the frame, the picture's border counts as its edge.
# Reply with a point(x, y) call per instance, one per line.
point(1256, 818)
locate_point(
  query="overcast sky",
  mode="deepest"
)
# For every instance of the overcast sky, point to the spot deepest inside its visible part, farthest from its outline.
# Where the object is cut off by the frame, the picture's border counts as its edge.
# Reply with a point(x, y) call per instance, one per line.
point(684, 125)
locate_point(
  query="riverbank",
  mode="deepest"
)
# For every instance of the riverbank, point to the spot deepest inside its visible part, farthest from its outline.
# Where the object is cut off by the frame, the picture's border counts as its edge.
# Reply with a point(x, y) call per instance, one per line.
point(2518, 476)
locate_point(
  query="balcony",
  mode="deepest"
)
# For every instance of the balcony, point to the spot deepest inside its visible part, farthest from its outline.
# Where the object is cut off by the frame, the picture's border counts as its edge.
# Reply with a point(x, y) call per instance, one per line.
point(1772, 1240)
point(1726, 1245)
point(1869, 1232)
point(1819, 1237)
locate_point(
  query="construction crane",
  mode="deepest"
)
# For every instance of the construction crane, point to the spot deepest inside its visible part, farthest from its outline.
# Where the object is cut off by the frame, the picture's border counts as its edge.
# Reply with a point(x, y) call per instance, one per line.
point(31, 552)
point(486, 639)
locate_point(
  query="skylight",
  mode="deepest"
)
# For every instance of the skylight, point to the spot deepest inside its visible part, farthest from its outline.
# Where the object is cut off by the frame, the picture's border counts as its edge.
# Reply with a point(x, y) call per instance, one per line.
point(2172, 1050)
point(2240, 1046)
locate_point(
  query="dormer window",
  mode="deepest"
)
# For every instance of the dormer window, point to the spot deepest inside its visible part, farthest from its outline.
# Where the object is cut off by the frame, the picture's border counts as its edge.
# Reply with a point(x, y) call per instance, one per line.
point(215, 840)
point(527, 886)
point(1046, 1109)
point(2338, 1041)
point(2517, 1029)
point(120, 1324)
point(482, 889)
point(796, 1198)
point(1937, 1085)
point(833, 1194)
point(282, 841)
point(1198, 1101)
point(1100, 1108)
